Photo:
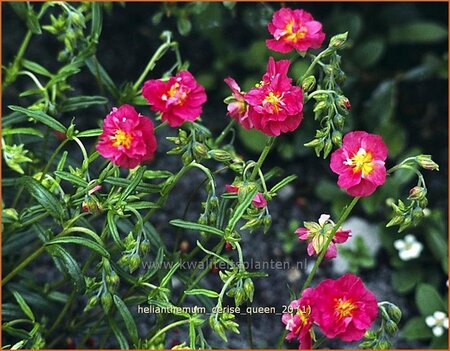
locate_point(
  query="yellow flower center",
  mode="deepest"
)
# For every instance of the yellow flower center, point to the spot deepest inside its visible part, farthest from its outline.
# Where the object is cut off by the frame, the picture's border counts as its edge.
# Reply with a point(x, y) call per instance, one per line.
point(344, 308)
point(274, 100)
point(297, 35)
point(304, 313)
point(122, 138)
point(362, 162)
point(176, 93)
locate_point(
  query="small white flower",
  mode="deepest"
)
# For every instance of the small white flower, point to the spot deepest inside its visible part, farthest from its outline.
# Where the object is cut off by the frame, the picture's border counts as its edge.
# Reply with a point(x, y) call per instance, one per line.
point(437, 322)
point(409, 248)
point(323, 219)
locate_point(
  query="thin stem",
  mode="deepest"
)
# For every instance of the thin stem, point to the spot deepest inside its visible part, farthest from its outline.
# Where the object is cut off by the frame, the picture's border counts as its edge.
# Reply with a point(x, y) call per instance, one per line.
point(156, 56)
point(168, 327)
point(160, 126)
point(262, 157)
point(313, 64)
point(341, 220)
point(317, 92)
point(225, 132)
point(63, 312)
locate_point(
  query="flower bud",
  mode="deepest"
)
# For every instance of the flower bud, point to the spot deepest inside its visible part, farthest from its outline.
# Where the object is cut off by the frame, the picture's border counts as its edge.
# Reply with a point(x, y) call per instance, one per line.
point(228, 246)
point(309, 83)
point(320, 106)
point(249, 289)
point(106, 300)
point(200, 151)
point(144, 247)
point(267, 222)
point(220, 155)
point(239, 296)
point(383, 345)
point(339, 121)
point(370, 334)
point(237, 167)
point(91, 205)
point(426, 162)
point(231, 292)
point(91, 303)
point(186, 158)
point(394, 312)
point(203, 219)
point(336, 138)
point(338, 41)
point(390, 327)
point(417, 193)
point(214, 201)
point(134, 262)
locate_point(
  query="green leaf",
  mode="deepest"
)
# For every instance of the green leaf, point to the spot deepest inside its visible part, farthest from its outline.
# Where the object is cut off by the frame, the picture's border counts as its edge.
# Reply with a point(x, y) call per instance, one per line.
point(29, 131)
point(428, 300)
point(137, 177)
point(437, 244)
point(69, 265)
point(145, 188)
point(127, 318)
point(80, 102)
point(205, 292)
point(36, 68)
point(404, 280)
point(33, 21)
point(283, 183)
point(71, 178)
point(241, 208)
point(142, 205)
point(418, 32)
point(368, 53)
point(90, 133)
point(80, 241)
point(415, 328)
point(43, 197)
point(151, 174)
point(184, 25)
point(196, 227)
point(253, 139)
point(23, 305)
point(96, 20)
point(169, 275)
point(123, 344)
point(113, 229)
point(99, 72)
point(40, 117)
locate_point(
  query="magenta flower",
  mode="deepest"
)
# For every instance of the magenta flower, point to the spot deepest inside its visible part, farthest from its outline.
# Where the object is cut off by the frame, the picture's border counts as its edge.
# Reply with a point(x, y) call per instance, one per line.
point(128, 137)
point(343, 308)
point(294, 29)
point(276, 106)
point(259, 201)
point(237, 107)
point(360, 163)
point(317, 233)
point(300, 323)
point(178, 99)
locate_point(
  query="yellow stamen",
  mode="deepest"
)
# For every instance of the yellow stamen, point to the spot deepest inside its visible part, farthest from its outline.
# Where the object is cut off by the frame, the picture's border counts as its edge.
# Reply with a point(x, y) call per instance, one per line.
point(344, 308)
point(273, 99)
point(122, 138)
point(297, 35)
point(362, 162)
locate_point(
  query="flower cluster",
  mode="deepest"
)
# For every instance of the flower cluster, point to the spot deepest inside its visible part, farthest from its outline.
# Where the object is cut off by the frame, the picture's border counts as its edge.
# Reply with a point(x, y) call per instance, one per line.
point(343, 308)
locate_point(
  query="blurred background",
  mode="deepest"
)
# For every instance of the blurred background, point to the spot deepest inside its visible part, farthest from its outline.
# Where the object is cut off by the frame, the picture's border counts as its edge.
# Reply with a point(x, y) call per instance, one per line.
point(397, 82)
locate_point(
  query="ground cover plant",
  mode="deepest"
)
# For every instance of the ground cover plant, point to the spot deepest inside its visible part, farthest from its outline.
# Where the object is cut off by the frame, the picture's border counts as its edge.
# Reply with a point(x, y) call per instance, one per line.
point(132, 213)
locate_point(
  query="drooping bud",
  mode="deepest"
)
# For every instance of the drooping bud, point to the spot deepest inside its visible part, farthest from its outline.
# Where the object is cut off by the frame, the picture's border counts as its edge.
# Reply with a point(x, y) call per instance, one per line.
point(309, 83)
point(427, 163)
point(338, 41)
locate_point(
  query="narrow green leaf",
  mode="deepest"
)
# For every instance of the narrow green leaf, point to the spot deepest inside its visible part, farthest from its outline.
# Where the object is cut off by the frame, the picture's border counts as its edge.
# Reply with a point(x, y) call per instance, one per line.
point(196, 227)
point(151, 174)
point(418, 32)
point(43, 197)
point(99, 72)
point(90, 133)
point(208, 293)
point(29, 131)
point(81, 102)
point(71, 267)
point(283, 183)
point(123, 344)
point(86, 231)
point(113, 229)
point(241, 208)
point(33, 21)
point(97, 19)
point(169, 275)
point(415, 328)
point(36, 68)
point(71, 178)
point(40, 117)
point(133, 184)
point(142, 205)
point(127, 318)
point(80, 241)
point(192, 335)
point(23, 305)
point(145, 188)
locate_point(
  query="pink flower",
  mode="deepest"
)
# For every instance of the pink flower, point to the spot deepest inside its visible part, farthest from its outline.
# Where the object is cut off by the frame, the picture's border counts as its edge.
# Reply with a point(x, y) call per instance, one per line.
point(259, 201)
point(128, 138)
point(360, 163)
point(317, 233)
point(344, 308)
point(300, 323)
point(179, 98)
point(237, 107)
point(275, 105)
point(294, 29)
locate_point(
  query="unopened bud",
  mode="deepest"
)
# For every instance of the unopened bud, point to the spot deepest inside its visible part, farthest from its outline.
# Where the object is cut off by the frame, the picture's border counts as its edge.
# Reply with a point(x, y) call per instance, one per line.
point(144, 247)
point(426, 162)
point(391, 327)
point(220, 155)
point(200, 151)
point(417, 193)
point(336, 138)
point(339, 121)
point(239, 297)
point(134, 263)
point(338, 41)
point(249, 289)
point(309, 83)
point(106, 300)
